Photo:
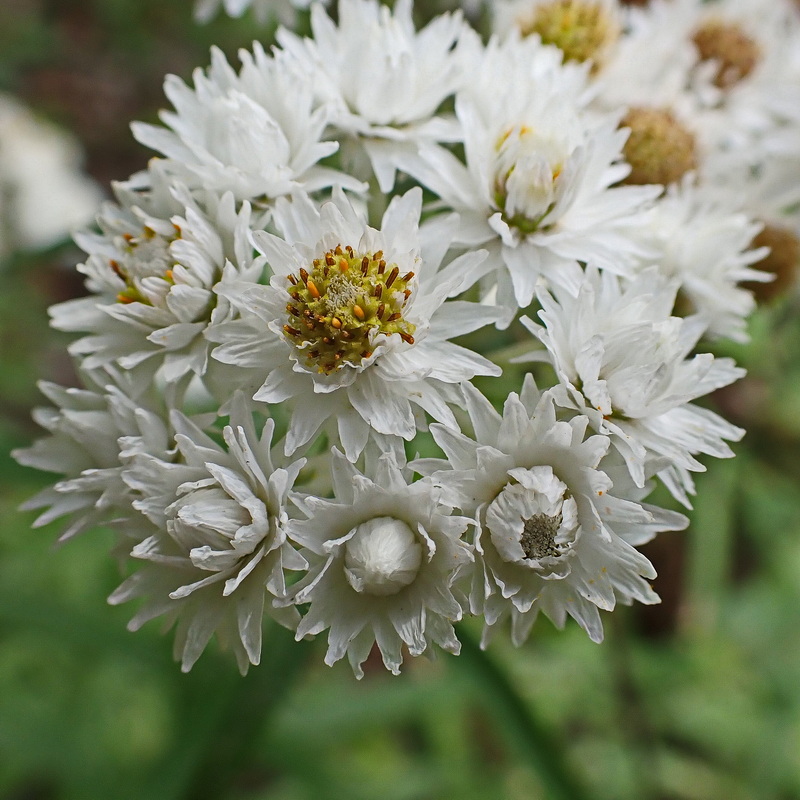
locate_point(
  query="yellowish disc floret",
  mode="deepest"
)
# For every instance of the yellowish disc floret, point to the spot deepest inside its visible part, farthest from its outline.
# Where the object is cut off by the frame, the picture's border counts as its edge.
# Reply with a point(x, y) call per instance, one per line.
point(336, 309)
point(581, 29)
point(660, 149)
point(144, 256)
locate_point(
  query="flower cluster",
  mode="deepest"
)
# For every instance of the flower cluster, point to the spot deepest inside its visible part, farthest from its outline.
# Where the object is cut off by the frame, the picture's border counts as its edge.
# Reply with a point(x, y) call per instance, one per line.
point(301, 288)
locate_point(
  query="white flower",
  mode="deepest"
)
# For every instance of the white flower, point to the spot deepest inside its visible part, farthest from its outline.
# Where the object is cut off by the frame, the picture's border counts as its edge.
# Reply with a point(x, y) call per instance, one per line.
point(705, 245)
point(536, 184)
point(390, 105)
point(218, 546)
point(552, 536)
point(153, 280)
point(622, 360)
point(654, 63)
point(255, 134)
point(355, 322)
point(41, 178)
point(88, 429)
point(384, 555)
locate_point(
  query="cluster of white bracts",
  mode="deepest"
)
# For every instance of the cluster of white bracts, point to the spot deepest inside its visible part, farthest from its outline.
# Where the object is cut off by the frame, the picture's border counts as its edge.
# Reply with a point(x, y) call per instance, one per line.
point(274, 308)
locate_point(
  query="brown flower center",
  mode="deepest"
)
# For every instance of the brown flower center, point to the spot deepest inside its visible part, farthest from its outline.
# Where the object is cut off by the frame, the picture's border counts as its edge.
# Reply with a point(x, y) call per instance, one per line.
point(659, 149)
point(734, 51)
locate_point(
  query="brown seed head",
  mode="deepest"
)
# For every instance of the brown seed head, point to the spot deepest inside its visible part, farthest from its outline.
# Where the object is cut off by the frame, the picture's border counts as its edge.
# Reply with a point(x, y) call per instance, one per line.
point(659, 149)
point(734, 51)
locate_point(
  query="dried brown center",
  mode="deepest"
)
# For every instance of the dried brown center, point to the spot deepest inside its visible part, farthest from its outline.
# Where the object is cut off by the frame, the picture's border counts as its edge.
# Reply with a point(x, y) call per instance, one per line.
point(659, 149)
point(783, 260)
point(735, 53)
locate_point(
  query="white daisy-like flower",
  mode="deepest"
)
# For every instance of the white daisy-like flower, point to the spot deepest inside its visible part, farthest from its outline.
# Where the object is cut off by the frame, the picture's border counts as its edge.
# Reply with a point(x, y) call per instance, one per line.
point(623, 361)
point(87, 430)
point(537, 186)
point(552, 534)
point(751, 48)
point(256, 133)
point(705, 245)
point(153, 279)
point(44, 193)
point(214, 560)
point(384, 556)
point(355, 323)
point(393, 105)
point(653, 63)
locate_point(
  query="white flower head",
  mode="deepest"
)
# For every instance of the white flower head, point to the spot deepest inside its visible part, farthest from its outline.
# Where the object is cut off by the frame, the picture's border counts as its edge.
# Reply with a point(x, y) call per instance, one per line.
point(214, 561)
point(623, 361)
point(153, 281)
point(537, 185)
point(88, 428)
point(255, 133)
point(384, 556)
point(354, 322)
point(706, 246)
point(393, 104)
point(552, 535)
point(44, 191)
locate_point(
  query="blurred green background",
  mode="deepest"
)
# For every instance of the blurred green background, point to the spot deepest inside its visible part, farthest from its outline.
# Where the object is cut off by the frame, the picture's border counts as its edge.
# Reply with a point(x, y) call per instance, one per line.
point(695, 699)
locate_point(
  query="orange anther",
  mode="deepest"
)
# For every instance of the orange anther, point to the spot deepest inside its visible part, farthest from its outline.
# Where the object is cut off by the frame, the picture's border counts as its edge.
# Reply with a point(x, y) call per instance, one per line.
point(359, 312)
point(312, 289)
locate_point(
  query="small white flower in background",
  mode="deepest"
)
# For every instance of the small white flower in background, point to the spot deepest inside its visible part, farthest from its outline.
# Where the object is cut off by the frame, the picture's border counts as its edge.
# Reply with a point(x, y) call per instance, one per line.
point(44, 194)
point(584, 30)
point(612, 172)
point(384, 554)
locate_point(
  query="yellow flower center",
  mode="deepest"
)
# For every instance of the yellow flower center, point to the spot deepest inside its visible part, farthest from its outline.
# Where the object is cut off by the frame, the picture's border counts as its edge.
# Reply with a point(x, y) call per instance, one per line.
point(582, 29)
point(144, 256)
point(338, 308)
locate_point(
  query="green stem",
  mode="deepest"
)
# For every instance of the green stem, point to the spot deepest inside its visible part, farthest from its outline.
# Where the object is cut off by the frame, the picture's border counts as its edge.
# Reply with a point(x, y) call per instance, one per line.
point(535, 742)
